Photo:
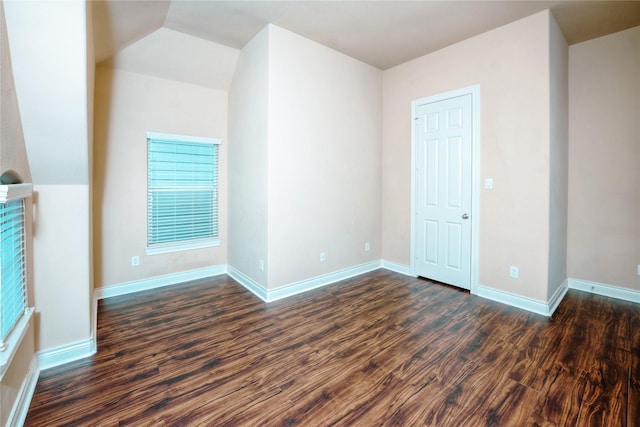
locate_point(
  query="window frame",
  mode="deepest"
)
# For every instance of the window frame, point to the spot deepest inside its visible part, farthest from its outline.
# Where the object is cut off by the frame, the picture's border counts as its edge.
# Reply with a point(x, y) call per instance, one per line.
point(11, 343)
point(185, 244)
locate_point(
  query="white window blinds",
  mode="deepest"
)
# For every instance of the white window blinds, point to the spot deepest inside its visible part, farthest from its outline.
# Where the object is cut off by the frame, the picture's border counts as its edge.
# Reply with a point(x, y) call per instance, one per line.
point(13, 297)
point(182, 189)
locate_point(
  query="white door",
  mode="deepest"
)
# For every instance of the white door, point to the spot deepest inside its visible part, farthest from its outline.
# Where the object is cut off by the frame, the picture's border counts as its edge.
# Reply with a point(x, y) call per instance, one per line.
point(443, 180)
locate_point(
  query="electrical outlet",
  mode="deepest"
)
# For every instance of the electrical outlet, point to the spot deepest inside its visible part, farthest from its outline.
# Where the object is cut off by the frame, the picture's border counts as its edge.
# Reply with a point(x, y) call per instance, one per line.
point(367, 247)
point(261, 265)
point(323, 256)
point(135, 261)
point(638, 269)
point(513, 272)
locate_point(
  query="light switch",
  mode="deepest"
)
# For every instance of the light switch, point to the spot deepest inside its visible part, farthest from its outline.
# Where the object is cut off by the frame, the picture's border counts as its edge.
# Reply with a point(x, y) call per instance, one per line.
point(488, 183)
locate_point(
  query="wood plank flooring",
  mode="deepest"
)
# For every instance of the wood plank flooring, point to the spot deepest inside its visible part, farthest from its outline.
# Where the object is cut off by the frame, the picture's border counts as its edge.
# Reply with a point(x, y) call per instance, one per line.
point(378, 349)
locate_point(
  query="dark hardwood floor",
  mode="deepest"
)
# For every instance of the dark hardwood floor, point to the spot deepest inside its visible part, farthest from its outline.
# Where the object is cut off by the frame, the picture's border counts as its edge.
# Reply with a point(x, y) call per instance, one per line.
point(379, 349)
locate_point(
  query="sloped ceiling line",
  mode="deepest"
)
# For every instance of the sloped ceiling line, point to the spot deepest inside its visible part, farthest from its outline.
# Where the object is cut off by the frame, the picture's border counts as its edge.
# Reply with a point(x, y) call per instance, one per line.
point(380, 33)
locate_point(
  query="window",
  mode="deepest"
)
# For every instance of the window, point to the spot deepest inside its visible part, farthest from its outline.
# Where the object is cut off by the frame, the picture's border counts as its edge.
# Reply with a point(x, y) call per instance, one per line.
point(182, 192)
point(13, 294)
point(13, 285)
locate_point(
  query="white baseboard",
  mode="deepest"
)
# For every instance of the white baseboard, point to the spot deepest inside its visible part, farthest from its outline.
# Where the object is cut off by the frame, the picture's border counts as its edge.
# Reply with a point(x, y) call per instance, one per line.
point(18, 413)
point(158, 281)
point(251, 285)
point(319, 281)
point(66, 353)
point(269, 295)
point(557, 297)
point(398, 268)
point(605, 290)
point(536, 306)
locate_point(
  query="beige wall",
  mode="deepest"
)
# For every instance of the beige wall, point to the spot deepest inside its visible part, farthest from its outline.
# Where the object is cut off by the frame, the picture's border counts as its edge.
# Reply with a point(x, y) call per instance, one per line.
point(91, 83)
point(559, 153)
point(127, 105)
point(13, 154)
point(324, 159)
point(13, 157)
point(305, 176)
point(49, 51)
point(511, 65)
point(248, 161)
point(604, 154)
point(62, 274)
point(57, 127)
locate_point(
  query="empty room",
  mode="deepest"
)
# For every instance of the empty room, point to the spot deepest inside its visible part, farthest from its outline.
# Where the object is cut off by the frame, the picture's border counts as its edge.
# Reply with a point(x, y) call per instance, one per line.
point(319, 213)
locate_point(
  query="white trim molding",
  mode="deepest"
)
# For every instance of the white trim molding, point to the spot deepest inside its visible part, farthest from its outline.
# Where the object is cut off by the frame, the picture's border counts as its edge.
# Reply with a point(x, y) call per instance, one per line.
point(15, 191)
point(182, 246)
point(248, 283)
point(407, 270)
point(158, 281)
point(269, 295)
point(320, 281)
point(14, 340)
point(66, 353)
point(18, 413)
point(558, 296)
point(605, 290)
point(182, 138)
point(533, 305)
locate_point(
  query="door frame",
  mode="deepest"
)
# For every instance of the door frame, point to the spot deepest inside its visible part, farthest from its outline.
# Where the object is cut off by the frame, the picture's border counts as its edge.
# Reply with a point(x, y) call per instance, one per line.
point(474, 91)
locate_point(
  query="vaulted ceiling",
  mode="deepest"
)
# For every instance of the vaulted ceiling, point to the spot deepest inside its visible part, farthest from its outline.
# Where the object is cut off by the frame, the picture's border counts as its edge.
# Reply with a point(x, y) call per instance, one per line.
point(380, 33)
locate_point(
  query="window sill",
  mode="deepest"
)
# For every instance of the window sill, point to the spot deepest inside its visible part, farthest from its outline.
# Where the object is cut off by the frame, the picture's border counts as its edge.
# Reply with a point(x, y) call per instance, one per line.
point(165, 249)
point(14, 340)
point(15, 191)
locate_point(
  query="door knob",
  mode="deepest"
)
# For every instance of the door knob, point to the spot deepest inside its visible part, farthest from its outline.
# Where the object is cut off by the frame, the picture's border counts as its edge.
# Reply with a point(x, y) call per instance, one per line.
point(465, 216)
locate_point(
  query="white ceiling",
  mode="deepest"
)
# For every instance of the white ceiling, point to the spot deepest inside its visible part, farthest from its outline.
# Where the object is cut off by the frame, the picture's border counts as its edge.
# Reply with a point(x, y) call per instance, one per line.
point(380, 33)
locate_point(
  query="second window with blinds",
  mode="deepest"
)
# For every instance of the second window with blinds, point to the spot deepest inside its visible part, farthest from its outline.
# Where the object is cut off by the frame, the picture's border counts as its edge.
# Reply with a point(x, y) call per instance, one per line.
point(182, 192)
